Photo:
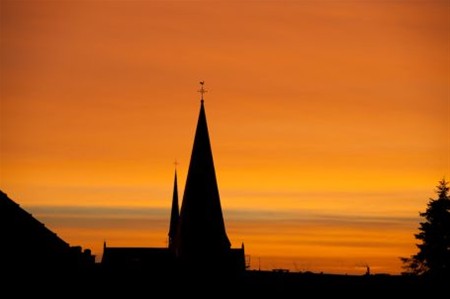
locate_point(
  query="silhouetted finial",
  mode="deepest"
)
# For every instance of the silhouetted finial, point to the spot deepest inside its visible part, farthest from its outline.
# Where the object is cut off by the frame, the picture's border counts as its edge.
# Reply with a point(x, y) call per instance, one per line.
point(202, 90)
point(176, 164)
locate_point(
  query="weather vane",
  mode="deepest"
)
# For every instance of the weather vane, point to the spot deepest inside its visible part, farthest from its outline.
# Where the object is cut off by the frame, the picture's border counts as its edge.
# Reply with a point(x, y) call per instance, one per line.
point(202, 90)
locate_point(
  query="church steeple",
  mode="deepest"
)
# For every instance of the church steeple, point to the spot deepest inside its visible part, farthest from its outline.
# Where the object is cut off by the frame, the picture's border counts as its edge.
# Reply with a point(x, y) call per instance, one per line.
point(174, 214)
point(201, 227)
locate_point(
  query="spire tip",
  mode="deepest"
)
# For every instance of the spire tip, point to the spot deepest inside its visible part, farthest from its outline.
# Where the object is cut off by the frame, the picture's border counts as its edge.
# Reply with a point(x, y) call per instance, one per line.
point(202, 90)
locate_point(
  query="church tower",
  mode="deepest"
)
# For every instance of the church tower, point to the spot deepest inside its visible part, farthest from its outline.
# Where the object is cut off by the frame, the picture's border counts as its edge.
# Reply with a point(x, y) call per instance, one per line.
point(174, 214)
point(198, 242)
point(201, 238)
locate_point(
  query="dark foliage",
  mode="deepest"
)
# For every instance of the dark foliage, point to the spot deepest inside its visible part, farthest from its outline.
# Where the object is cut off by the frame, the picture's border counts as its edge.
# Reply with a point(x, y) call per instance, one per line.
point(433, 258)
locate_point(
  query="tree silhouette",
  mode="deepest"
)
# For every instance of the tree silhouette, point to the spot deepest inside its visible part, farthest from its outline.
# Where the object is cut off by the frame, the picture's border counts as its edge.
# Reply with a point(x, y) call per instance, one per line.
point(433, 257)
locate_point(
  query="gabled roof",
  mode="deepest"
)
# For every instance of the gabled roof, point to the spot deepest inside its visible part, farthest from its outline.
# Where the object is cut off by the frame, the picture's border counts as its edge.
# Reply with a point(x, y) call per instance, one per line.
point(21, 228)
point(26, 242)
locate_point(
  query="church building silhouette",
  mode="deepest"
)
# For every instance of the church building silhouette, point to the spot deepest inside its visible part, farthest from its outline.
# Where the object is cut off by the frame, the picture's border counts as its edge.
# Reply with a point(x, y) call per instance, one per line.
point(197, 236)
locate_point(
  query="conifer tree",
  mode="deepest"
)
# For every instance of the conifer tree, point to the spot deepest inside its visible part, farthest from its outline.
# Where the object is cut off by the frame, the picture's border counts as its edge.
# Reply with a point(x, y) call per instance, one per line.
point(433, 257)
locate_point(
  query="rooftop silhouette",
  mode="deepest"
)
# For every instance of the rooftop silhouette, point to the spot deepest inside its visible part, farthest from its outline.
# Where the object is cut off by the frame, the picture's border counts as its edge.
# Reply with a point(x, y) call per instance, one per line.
point(197, 234)
point(198, 244)
point(28, 245)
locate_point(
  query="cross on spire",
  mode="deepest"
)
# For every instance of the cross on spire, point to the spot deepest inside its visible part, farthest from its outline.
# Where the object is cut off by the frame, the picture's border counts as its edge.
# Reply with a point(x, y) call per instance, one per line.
point(202, 90)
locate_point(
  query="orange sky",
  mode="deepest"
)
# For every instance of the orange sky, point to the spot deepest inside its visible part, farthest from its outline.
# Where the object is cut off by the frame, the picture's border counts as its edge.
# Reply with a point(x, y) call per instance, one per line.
point(329, 121)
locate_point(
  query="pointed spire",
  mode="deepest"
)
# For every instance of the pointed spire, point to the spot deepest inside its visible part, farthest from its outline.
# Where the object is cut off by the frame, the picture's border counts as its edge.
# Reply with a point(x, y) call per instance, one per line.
point(174, 214)
point(201, 228)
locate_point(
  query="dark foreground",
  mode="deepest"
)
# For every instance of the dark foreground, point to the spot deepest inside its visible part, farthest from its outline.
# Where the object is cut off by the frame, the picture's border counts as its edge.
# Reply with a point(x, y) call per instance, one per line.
point(131, 284)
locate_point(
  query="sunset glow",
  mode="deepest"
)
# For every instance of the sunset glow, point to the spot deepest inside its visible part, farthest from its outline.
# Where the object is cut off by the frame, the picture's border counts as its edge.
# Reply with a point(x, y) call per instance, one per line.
point(329, 121)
